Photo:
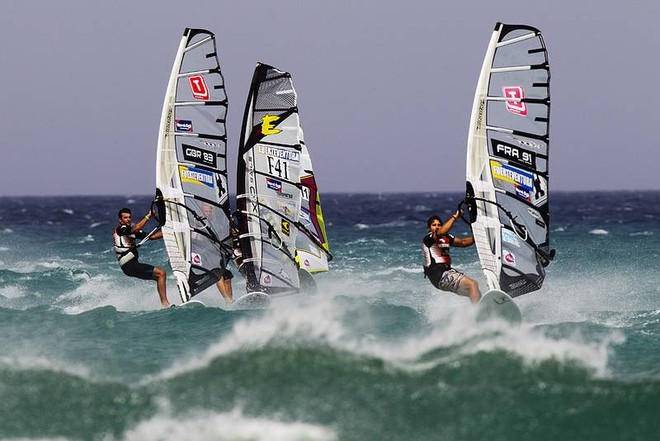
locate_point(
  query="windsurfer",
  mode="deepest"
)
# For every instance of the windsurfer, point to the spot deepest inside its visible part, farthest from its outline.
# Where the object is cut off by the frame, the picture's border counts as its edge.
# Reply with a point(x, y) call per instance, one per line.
point(126, 249)
point(437, 261)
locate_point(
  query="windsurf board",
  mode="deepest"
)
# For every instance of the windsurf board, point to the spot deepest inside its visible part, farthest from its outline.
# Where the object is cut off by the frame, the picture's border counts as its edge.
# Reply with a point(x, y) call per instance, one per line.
point(496, 304)
point(252, 300)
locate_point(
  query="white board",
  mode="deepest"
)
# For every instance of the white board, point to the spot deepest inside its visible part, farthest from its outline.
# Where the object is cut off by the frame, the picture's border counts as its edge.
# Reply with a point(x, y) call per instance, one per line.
point(252, 300)
point(192, 304)
point(496, 304)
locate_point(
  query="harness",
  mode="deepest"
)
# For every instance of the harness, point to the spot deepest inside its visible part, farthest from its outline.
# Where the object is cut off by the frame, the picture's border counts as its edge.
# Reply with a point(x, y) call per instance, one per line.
point(436, 255)
point(124, 246)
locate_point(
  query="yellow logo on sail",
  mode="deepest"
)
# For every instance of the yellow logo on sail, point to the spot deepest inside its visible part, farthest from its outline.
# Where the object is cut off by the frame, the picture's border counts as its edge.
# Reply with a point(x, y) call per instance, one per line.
point(267, 125)
point(286, 227)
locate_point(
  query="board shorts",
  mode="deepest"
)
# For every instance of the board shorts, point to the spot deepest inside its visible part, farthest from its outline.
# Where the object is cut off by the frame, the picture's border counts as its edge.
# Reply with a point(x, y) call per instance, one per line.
point(143, 271)
point(444, 278)
point(227, 275)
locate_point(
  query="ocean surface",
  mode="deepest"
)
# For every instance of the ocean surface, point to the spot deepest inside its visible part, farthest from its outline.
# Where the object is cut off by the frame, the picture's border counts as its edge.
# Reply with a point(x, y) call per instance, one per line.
point(376, 354)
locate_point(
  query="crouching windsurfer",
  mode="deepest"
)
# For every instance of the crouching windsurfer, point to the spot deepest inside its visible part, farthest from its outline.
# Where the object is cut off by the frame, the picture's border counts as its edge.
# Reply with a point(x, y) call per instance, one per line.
point(437, 261)
point(126, 249)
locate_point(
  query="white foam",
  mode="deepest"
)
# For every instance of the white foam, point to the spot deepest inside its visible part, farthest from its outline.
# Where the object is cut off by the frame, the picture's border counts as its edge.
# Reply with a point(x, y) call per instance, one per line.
point(12, 292)
point(225, 426)
point(125, 294)
point(88, 238)
point(322, 322)
point(35, 362)
point(599, 232)
point(41, 266)
point(364, 240)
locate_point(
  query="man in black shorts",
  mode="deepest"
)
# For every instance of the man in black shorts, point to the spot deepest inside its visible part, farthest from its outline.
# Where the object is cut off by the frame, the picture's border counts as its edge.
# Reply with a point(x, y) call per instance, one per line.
point(437, 261)
point(125, 247)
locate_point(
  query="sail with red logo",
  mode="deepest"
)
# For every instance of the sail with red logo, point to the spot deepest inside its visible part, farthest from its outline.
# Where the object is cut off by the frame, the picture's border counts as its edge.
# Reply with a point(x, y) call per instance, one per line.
point(191, 166)
point(507, 161)
point(268, 195)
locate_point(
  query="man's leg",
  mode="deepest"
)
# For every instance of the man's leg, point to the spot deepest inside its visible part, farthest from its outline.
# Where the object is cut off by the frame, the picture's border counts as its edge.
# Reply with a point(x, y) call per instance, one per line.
point(470, 288)
point(224, 286)
point(160, 276)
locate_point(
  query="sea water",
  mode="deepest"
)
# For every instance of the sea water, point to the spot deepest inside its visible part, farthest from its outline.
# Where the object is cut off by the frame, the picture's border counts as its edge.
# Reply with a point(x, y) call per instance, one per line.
point(376, 354)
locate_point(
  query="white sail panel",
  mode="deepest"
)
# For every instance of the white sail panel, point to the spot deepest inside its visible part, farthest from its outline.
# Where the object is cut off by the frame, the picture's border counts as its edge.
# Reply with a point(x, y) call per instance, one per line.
point(312, 247)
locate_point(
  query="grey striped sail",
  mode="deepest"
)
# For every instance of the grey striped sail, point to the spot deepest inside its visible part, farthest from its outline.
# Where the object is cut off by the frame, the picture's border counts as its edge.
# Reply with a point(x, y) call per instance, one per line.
point(507, 161)
point(191, 167)
point(268, 191)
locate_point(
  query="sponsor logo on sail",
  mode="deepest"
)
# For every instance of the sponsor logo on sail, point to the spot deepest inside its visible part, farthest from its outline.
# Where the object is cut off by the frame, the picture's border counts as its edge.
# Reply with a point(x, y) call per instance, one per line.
point(266, 280)
point(196, 176)
point(480, 113)
point(183, 125)
point(523, 194)
point(274, 184)
point(521, 179)
point(278, 152)
point(277, 186)
point(198, 87)
point(527, 143)
point(515, 105)
point(268, 125)
point(510, 237)
point(286, 227)
point(196, 258)
point(509, 258)
point(305, 215)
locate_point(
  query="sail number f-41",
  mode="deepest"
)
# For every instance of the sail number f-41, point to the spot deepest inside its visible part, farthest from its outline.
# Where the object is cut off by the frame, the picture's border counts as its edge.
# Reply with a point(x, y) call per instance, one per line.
point(278, 167)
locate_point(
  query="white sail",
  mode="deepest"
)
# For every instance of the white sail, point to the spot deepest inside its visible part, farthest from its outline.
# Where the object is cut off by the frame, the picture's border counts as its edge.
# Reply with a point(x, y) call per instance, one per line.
point(191, 169)
point(281, 227)
point(312, 247)
point(507, 160)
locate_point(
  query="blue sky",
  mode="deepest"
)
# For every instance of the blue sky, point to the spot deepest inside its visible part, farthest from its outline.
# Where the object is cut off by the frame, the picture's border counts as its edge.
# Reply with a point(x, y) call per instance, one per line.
point(385, 88)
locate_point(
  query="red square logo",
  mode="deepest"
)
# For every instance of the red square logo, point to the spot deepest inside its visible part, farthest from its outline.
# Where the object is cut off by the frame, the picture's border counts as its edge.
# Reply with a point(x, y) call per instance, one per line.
point(515, 106)
point(198, 87)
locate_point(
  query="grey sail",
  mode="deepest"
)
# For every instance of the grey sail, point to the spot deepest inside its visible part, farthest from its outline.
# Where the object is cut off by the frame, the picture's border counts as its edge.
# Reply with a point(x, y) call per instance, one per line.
point(191, 174)
point(507, 161)
point(268, 195)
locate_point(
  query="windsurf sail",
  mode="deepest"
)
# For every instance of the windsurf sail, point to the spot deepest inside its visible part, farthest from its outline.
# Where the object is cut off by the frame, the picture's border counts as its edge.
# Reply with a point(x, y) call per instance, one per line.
point(272, 161)
point(312, 246)
point(191, 166)
point(507, 161)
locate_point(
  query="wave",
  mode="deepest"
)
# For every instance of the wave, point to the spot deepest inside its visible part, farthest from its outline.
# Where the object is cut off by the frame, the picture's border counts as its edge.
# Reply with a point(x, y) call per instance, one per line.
point(307, 392)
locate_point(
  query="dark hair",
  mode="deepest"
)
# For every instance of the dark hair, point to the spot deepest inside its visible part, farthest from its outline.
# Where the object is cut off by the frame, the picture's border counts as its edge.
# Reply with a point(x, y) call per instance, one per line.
point(122, 211)
point(431, 219)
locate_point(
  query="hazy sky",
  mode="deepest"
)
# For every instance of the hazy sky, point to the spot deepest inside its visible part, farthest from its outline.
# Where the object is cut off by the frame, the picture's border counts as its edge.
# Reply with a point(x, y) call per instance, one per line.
point(385, 87)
